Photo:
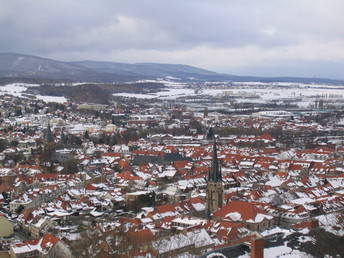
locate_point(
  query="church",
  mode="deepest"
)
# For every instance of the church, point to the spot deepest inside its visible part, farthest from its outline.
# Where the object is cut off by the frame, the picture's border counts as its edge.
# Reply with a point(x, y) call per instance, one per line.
point(214, 185)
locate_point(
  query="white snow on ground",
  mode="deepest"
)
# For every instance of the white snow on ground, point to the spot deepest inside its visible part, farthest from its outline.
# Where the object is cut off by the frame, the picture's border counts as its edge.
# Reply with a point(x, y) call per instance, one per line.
point(304, 239)
point(176, 93)
point(170, 93)
point(15, 88)
point(331, 223)
point(12, 88)
point(283, 251)
point(217, 255)
point(303, 94)
point(18, 89)
point(280, 251)
point(52, 99)
point(138, 96)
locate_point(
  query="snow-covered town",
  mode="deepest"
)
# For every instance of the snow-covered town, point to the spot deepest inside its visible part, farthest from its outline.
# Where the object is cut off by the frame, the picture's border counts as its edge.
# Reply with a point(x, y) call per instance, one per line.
point(216, 173)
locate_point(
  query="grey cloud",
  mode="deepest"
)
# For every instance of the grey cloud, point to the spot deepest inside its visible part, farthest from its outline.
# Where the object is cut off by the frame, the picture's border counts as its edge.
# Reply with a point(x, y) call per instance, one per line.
point(295, 68)
point(159, 25)
point(108, 29)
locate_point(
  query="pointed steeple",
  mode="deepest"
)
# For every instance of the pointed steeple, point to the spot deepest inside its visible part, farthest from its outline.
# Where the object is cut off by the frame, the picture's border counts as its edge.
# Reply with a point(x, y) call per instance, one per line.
point(49, 135)
point(214, 186)
point(215, 171)
point(63, 137)
point(210, 135)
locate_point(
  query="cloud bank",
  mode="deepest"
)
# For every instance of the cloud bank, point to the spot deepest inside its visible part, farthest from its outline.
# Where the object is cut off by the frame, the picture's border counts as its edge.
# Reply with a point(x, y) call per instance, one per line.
point(244, 37)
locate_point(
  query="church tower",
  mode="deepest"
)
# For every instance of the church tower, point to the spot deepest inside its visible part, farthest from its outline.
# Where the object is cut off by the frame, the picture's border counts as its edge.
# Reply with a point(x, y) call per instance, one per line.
point(49, 135)
point(48, 150)
point(214, 185)
point(49, 142)
point(63, 140)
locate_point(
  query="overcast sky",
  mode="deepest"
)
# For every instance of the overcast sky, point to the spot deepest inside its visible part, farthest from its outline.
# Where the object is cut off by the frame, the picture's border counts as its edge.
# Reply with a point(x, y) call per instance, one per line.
point(243, 37)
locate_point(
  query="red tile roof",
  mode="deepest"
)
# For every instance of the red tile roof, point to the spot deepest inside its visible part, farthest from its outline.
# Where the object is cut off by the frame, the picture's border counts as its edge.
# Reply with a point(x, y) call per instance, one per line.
point(248, 211)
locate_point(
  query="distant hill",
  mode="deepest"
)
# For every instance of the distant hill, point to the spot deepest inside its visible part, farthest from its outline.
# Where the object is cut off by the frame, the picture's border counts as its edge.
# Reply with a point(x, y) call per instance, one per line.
point(32, 68)
point(184, 72)
point(26, 66)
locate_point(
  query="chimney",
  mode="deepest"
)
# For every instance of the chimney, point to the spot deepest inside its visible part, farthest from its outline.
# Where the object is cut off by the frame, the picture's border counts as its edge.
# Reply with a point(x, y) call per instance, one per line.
point(257, 247)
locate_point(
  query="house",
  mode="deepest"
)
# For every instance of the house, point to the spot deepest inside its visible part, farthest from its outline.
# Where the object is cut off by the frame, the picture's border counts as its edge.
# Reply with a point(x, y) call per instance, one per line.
point(246, 213)
point(6, 227)
point(287, 215)
point(196, 242)
point(141, 238)
point(24, 219)
point(24, 202)
point(226, 233)
point(48, 246)
point(136, 200)
point(40, 226)
point(162, 211)
point(172, 194)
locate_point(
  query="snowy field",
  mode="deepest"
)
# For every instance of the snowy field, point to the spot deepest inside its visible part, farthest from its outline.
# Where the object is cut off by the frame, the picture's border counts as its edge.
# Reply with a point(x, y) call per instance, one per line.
point(18, 90)
point(304, 95)
point(281, 251)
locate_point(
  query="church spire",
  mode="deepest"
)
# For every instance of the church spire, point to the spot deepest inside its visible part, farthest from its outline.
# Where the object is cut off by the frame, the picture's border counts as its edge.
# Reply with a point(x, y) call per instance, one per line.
point(62, 138)
point(215, 171)
point(214, 185)
point(49, 136)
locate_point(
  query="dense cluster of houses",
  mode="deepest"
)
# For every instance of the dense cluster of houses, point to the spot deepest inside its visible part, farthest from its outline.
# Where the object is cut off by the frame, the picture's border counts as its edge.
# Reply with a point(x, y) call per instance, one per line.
point(64, 174)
